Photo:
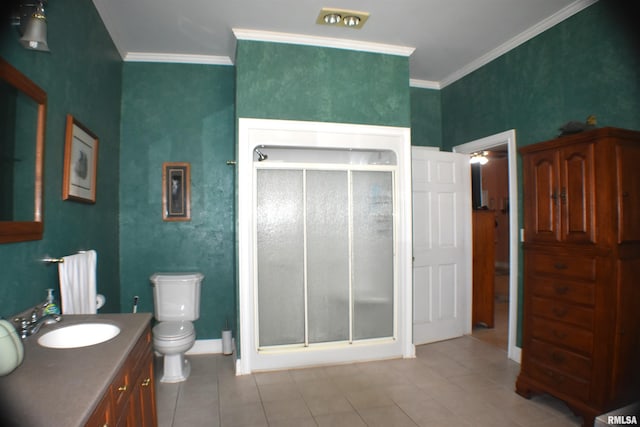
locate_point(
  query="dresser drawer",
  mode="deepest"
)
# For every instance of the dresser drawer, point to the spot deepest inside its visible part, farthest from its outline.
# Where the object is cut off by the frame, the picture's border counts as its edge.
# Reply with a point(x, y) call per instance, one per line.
point(560, 359)
point(559, 381)
point(566, 312)
point(570, 267)
point(575, 292)
point(563, 334)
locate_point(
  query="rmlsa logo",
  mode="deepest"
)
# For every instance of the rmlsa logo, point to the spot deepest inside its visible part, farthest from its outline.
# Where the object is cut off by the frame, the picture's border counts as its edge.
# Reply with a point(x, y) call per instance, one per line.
point(622, 419)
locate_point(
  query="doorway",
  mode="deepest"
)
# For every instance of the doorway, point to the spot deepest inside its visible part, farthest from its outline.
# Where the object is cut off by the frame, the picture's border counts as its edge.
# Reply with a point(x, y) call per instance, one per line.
point(510, 205)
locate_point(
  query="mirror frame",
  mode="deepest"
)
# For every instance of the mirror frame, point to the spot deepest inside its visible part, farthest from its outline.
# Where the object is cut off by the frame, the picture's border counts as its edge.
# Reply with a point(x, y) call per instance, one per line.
point(21, 231)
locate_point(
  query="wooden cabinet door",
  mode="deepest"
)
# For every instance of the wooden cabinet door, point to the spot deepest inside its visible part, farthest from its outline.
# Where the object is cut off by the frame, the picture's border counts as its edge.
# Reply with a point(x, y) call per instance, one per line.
point(142, 407)
point(542, 204)
point(628, 191)
point(577, 193)
point(103, 414)
point(484, 224)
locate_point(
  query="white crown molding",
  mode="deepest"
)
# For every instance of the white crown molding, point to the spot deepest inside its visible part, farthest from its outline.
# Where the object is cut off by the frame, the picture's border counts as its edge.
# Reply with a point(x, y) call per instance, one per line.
point(424, 84)
point(305, 40)
point(521, 38)
point(177, 58)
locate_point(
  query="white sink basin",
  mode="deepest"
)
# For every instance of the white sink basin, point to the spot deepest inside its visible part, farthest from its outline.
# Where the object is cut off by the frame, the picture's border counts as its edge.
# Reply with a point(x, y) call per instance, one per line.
point(79, 335)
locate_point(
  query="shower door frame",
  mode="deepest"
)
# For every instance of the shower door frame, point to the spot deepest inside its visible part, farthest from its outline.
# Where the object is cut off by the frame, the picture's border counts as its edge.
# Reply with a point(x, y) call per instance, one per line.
point(256, 133)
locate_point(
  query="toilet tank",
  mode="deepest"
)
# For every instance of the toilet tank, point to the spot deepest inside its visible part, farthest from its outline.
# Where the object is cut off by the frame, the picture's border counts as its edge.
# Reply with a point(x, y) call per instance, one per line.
point(176, 296)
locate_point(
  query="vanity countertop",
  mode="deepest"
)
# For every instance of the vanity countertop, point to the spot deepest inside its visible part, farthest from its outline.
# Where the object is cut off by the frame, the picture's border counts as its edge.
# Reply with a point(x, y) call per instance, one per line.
point(60, 387)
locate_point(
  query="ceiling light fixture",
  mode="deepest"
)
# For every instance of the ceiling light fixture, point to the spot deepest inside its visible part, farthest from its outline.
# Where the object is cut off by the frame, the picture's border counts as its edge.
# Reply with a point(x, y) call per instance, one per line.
point(342, 18)
point(351, 21)
point(479, 158)
point(332, 19)
point(31, 21)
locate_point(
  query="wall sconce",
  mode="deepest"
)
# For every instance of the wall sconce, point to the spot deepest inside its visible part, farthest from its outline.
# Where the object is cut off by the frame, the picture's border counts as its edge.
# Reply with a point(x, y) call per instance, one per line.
point(480, 158)
point(31, 21)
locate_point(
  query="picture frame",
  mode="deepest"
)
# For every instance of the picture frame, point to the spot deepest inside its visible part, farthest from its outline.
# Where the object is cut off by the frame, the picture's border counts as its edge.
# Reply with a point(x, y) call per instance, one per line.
point(80, 162)
point(176, 191)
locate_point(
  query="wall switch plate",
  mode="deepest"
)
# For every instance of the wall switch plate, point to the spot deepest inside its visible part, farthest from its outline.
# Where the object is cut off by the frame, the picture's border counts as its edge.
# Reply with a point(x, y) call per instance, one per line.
point(522, 234)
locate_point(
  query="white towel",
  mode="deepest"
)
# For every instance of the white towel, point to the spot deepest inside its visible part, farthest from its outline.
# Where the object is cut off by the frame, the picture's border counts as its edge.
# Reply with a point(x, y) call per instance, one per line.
point(78, 283)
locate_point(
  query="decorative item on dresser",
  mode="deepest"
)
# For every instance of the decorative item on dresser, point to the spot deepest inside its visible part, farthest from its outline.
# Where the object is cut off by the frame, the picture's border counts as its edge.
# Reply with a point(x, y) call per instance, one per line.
point(581, 322)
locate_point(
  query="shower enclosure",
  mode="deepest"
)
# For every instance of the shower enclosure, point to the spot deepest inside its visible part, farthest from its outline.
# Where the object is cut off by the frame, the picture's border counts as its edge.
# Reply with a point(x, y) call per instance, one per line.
point(325, 250)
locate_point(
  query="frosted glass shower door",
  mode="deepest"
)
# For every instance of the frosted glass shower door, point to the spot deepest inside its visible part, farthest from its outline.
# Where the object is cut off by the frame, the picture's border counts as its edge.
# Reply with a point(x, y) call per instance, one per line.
point(280, 238)
point(373, 290)
point(325, 259)
point(327, 222)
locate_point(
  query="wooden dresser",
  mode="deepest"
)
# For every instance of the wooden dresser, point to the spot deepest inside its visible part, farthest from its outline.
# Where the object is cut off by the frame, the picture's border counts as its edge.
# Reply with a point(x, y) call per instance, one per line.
point(581, 314)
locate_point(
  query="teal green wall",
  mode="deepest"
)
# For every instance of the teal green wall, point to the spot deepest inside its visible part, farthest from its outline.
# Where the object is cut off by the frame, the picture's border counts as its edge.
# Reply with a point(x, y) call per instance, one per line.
point(588, 64)
point(426, 117)
point(82, 76)
point(179, 113)
point(283, 81)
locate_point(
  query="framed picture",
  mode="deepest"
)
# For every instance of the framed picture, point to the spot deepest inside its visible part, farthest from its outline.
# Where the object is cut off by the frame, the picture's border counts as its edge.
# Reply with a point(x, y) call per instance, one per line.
point(176, 191)
point(80, 163)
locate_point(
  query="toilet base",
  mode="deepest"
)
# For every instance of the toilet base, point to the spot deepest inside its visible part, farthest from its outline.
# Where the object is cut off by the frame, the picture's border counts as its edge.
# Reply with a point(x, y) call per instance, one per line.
point(176, 368)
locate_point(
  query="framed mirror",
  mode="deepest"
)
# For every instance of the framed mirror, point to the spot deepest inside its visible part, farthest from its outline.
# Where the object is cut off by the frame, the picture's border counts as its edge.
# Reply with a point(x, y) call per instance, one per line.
point(23, 109)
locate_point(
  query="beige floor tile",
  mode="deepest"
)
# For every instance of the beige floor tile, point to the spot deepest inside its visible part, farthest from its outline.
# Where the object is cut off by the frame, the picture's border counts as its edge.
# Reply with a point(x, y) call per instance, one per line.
point(278, 391)
point(389, 416)
point(324, 405)
point(286, 409)
point(251, 414)
point(346, 419)
point(370, 398)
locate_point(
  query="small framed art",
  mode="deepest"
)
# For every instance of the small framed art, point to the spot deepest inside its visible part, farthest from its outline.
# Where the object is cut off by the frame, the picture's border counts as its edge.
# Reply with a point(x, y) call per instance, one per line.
point(176, 191)
point(80, 163)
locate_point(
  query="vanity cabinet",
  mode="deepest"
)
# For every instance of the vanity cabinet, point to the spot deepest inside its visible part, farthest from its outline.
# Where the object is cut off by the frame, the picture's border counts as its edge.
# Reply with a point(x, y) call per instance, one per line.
point(130, 398)
point(581, 330)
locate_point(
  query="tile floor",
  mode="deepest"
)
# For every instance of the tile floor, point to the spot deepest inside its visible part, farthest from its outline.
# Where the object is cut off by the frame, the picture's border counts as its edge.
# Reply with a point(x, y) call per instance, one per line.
point(461, 382)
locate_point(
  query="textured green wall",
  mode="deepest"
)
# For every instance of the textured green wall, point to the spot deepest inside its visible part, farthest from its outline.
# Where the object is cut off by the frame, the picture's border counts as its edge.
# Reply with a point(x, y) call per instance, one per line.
point(283, 81)
point(588, 64)
point(179, 113)
point(426, 117)
point(82, 76)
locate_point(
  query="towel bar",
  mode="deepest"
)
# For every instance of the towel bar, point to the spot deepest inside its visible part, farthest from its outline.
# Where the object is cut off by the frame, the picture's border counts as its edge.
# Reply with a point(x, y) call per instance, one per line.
point(53, 260)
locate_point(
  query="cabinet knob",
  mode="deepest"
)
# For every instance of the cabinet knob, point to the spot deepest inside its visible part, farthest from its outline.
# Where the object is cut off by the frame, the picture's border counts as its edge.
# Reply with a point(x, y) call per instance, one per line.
point(122, 388)
point(146, 382)
point(561, 289)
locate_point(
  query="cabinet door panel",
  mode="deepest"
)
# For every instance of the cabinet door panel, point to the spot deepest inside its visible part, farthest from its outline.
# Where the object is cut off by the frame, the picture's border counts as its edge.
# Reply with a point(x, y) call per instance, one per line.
point(628, 189)
point(541, 214)
point(576, 193)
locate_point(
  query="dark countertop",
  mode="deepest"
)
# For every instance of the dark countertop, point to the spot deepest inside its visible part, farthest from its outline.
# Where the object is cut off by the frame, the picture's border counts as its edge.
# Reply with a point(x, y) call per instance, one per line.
point(60, 387)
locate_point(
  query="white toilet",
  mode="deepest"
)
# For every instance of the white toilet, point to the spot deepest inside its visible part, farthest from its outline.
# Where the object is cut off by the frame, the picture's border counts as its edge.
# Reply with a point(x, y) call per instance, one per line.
point(176, 299)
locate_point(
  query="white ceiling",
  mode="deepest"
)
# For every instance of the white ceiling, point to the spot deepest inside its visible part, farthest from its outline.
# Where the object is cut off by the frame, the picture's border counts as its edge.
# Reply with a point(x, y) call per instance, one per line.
point(447, 38)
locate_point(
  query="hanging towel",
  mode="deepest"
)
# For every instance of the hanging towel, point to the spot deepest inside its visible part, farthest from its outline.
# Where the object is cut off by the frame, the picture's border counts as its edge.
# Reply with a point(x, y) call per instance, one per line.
point(78, 283)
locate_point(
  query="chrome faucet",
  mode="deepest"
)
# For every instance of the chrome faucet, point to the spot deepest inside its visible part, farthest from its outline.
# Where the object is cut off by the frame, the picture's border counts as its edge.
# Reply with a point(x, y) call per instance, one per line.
point(31, 326)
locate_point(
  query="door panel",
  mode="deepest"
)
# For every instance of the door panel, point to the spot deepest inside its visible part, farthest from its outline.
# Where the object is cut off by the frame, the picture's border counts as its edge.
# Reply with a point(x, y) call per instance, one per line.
point(576, 193)
point(441, 227)
point(541, 213)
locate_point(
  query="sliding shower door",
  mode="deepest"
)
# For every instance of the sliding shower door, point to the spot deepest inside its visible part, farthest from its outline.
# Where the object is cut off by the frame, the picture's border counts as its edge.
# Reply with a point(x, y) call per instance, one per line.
point(325, 262)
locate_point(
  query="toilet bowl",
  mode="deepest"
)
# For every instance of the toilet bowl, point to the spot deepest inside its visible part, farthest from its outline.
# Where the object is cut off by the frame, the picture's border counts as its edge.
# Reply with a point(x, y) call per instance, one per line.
point(176, 305)
point(173, 339)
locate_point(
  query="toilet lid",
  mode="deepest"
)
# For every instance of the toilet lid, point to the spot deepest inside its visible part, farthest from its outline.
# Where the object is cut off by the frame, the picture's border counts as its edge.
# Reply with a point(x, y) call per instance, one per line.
point(173, 329)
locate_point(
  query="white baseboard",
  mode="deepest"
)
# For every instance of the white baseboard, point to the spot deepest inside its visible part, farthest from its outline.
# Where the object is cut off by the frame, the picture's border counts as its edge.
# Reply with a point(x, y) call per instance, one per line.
point(208, 347)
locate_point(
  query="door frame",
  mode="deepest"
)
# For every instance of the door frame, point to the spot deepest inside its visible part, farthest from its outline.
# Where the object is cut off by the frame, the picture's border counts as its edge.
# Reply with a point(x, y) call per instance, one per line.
point(507, 138)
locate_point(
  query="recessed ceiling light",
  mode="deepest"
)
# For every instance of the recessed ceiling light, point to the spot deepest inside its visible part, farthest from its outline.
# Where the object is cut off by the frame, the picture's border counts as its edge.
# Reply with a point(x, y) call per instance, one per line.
point(332, 19)
point(351, 21)
point(342, 17)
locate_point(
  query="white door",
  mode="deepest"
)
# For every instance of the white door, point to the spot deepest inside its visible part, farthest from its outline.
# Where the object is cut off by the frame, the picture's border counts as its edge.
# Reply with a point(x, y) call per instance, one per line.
point(441, 244)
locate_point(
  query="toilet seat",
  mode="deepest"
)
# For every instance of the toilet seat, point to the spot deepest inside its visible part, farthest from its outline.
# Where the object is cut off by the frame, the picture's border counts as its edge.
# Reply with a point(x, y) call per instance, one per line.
point(173, 331)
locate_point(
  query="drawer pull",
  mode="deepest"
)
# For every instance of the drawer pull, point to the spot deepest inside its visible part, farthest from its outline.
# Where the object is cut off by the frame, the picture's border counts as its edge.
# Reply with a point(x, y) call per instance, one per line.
point(559, 312)
point(558, 334)
point(561, 290)
point(122, 388)
point(146, 382)
point(560, 266)
point(557, 357)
